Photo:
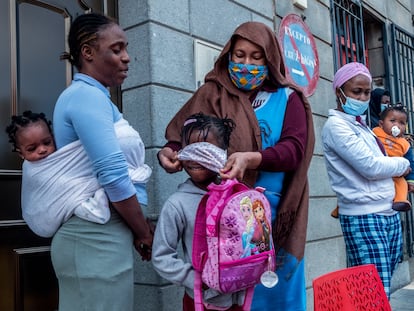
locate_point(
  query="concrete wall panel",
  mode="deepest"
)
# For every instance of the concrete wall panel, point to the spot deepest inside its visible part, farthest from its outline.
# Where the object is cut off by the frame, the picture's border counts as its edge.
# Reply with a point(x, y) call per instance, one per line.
point(321, 225)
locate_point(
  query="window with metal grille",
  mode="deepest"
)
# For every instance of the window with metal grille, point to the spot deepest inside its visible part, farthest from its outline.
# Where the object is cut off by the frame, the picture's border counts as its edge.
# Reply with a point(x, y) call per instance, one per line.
point(348, 33)
point(403, 44)
point(403, 57)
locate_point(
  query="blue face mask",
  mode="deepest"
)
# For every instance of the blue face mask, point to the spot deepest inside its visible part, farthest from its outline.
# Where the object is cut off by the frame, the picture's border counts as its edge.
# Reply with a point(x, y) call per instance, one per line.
point(353, 106)
point(383, 107)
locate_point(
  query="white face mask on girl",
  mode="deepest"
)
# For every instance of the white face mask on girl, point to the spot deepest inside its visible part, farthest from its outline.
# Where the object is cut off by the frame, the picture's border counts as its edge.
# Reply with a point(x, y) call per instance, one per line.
point(353, 106)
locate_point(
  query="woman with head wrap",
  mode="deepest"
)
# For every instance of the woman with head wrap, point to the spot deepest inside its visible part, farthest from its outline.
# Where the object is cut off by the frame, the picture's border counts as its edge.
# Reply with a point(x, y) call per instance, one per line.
point(361, 175)
point(380, 99)
point(271, 146)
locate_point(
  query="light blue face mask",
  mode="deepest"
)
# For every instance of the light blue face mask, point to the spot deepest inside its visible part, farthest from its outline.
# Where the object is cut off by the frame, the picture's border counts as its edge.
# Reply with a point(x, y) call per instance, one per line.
point(383, 107)
point(353, 106)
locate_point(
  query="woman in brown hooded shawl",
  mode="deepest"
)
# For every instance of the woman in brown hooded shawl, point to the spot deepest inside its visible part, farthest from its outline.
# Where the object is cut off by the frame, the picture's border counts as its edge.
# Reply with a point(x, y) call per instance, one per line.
point(271, 146)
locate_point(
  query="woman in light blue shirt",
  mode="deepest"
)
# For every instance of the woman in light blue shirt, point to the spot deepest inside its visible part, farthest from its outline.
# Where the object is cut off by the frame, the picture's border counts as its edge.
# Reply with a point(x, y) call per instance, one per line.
point(94, 262)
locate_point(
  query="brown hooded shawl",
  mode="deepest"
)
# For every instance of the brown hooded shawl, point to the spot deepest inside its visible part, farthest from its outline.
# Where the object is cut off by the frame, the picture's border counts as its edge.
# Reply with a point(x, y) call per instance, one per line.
point(220, 97)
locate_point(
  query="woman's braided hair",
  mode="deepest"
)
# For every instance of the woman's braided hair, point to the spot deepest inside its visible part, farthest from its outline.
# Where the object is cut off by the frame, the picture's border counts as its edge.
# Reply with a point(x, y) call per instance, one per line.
point(21, 121)
point(202, 124)
point(84, 29)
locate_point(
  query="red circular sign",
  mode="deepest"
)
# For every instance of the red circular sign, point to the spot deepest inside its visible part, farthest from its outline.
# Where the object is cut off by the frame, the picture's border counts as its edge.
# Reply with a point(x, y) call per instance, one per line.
point(300, 53)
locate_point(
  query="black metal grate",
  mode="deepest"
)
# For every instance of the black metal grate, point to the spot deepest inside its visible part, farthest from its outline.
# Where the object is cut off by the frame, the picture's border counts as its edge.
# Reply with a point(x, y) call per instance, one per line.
point(347, 35)
point(403, 59)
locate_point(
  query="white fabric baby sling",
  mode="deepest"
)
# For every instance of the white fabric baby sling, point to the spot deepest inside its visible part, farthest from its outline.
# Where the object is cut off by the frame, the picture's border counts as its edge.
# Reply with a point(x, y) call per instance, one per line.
point(53, 187)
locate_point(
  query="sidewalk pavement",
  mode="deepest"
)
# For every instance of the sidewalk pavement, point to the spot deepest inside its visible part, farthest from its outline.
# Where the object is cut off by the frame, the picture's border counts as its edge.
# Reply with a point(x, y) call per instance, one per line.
point(403, 298)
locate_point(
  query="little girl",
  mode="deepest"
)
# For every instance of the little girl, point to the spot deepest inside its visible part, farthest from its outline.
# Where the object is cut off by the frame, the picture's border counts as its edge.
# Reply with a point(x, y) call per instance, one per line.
point(204, 140)
point(47, 199)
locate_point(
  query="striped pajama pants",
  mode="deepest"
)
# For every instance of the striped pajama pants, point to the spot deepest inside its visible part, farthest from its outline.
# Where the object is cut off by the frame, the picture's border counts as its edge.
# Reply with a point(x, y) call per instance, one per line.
point(375, 239)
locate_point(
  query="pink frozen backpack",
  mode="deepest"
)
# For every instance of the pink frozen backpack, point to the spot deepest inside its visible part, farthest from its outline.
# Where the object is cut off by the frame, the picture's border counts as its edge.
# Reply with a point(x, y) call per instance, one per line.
point(232, 243)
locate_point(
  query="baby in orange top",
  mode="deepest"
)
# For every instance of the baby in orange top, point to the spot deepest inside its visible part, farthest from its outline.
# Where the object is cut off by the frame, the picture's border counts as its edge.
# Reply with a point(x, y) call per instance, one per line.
point(390, 131)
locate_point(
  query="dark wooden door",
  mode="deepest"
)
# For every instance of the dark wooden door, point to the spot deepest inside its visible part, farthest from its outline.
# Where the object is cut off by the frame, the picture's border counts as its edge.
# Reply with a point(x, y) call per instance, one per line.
point(32, 37)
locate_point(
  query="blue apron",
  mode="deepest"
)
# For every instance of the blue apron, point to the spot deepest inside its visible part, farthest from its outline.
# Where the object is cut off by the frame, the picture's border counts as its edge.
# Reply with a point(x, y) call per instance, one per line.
point(290, 292)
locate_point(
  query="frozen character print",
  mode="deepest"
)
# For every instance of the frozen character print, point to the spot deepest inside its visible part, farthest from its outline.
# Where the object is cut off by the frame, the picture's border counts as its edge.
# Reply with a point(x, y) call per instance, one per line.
point(246, 208)
point(261, 236)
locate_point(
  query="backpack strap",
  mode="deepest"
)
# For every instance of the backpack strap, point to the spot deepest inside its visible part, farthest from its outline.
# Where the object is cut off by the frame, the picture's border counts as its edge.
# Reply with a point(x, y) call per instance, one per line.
point(199, 252)
point(199, 247)
point(198, 292)
point(248, 298)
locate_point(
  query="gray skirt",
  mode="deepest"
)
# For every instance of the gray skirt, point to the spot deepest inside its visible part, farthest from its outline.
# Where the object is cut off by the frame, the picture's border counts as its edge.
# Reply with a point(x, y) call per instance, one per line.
point(94, 265)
